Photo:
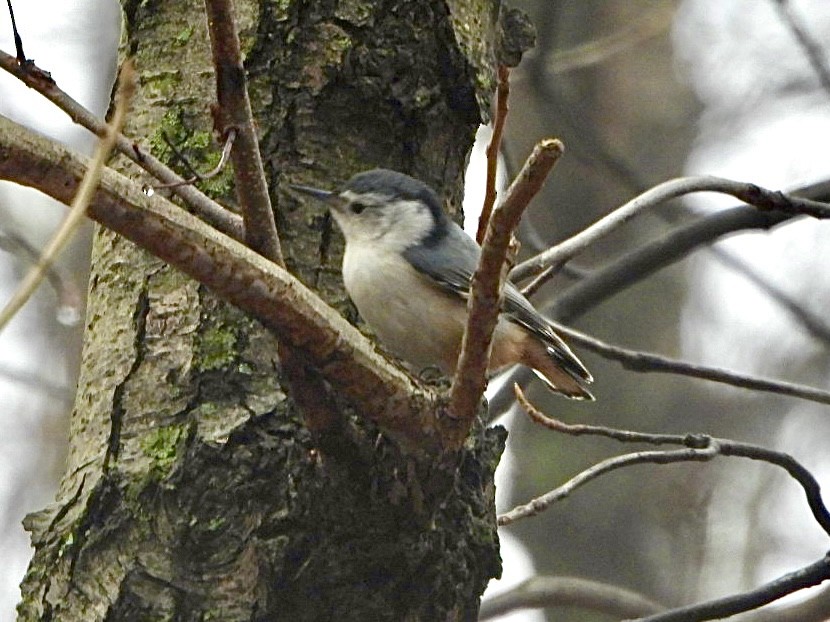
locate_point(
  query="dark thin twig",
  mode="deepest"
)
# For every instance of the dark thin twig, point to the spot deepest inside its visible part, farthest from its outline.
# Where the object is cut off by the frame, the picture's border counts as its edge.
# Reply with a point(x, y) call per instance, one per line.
point(647, 362)
point(196, 175)
point(812, 49)
point(210, 211)
point(502, 97)
point(179, 156)
point(485, 295)
point(814, 574)
point(18, 42)
point(235, 113)
point(722, 446)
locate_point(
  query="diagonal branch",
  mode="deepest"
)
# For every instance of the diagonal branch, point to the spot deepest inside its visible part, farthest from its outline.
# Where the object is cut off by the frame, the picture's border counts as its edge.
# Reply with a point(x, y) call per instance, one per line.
point(812, 48)
point(485, 291)
point(210, 211)
point(761, 198)
point(502, 97)
point(543, 502)
point(814, 574)
point(640, 263)
point(344, 357)
point(235, 113)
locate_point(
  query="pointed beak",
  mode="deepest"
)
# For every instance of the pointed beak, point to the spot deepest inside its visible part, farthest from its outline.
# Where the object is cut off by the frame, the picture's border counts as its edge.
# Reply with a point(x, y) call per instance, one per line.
point(326, 196)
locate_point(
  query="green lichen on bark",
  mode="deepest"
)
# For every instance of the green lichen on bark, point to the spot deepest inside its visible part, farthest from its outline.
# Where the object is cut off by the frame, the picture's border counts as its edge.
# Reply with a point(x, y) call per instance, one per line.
point(161, 446)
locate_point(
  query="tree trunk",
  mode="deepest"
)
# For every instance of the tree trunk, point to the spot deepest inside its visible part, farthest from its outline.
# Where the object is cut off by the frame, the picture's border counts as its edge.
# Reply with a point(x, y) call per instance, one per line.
point(193, 491)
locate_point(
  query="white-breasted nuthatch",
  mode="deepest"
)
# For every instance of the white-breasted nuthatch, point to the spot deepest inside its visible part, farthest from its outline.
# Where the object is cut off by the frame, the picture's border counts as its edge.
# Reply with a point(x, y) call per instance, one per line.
point(408, 267)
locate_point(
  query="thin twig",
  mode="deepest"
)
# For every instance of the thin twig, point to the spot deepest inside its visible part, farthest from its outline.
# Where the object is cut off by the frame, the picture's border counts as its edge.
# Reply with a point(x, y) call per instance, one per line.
point(543, 502)
point(126, 89)
point(723, 447)
point(647, 362)
point(539, 280)
point(539, 592)
point(814, 574)
point(235, 113)
point(485, 296)
point(812, 49)
point(583, 429)
point(493, 148)
point(210, 211)
point(760, 198)
point(196, 175)
point(18, 42)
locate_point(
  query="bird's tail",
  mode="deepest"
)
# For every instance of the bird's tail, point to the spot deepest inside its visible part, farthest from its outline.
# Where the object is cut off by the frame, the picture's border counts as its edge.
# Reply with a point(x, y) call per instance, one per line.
point(569, 380)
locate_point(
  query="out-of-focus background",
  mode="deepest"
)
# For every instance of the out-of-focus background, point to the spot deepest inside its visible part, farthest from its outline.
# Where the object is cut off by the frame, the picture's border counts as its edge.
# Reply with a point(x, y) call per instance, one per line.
point(640, 91)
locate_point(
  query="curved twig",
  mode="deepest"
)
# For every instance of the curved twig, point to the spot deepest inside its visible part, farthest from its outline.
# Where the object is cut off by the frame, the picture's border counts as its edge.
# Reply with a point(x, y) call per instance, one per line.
point(761, 198)
point(699, 442)
point(538, 592)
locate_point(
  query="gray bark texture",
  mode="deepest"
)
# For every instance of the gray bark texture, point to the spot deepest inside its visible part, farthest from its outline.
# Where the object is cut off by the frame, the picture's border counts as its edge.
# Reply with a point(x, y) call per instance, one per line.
point(193, 491)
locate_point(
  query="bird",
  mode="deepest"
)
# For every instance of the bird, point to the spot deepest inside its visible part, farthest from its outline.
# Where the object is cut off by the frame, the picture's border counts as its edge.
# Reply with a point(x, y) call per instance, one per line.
point(408, 268)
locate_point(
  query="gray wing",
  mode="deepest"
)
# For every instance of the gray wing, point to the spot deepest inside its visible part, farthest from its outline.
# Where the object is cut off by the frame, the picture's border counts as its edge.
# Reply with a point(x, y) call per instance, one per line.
point(459, 260)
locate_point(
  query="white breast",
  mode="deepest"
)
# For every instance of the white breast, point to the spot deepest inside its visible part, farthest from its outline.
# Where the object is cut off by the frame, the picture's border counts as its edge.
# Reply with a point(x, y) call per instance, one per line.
point(417, 321)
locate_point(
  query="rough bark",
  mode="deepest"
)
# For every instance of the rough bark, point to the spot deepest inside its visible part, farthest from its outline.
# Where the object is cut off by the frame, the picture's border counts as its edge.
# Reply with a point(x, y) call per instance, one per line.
point(193, 490)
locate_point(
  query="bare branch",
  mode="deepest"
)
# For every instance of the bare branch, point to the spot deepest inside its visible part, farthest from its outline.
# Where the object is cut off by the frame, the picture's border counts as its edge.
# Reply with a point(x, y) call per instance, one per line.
point(485, 296)
point(35, 276)
point(538, 592)
point(646, 362)
point(761, 198)
point(542, 503)
point(502, 97)
point(814, 574)
point(640, 263)
point(210, 211)
point(235, 113)
point(331, 345)
point(724, 447)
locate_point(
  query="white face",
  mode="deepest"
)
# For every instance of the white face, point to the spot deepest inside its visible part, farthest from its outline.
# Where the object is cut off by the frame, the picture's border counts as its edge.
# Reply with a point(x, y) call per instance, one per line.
point(391, 225)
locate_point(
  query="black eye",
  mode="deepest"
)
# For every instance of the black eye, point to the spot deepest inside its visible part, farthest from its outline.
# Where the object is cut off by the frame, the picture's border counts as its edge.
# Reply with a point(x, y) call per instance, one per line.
point(357, 208)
